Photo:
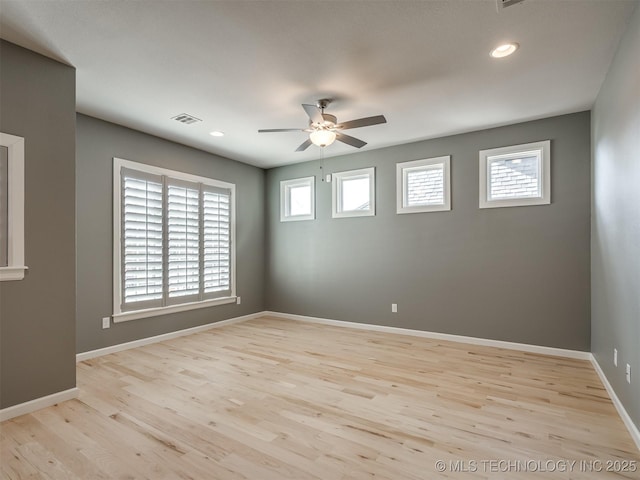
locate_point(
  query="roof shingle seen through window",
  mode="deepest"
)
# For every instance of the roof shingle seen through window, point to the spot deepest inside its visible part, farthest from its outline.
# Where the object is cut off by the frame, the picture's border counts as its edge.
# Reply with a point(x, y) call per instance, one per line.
point(425, 187)
point(514, 178)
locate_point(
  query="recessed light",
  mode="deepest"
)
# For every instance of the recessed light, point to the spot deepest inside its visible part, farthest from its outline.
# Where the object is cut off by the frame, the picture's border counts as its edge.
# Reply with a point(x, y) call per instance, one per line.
point(216, 133)
point(504, 50)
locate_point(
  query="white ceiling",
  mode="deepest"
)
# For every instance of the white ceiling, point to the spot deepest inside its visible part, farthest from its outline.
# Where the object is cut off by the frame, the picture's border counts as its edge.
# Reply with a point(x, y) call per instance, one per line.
point(245, 65)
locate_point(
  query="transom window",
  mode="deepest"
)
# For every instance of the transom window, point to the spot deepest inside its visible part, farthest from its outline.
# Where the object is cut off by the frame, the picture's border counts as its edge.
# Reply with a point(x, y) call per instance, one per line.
point(174, 241)
point(515, 176)
point(423, 185)
point(353, 193)
point(297, 199)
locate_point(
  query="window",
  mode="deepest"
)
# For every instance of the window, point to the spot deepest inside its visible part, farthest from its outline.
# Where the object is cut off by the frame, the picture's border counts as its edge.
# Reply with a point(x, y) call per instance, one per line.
point(297, 199)
point(173, 237)
point(423, 185)
point(4, 206)
point(515, 176)
point(11, 207)
point(353, 193)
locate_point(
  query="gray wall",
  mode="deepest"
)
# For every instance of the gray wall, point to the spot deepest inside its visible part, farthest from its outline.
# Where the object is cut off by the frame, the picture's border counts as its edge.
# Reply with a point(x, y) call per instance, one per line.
point(97, 143)
point(519, 274)
point(37, 314)
point(615, 233)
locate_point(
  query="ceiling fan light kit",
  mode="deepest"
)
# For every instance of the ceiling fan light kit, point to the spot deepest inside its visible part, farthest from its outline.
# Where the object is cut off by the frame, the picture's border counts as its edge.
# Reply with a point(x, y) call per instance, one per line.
point(322, 138)
point(324, 128)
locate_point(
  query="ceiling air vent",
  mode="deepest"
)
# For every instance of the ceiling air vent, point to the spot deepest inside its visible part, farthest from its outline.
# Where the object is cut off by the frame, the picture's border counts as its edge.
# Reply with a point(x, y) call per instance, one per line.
point(186, 118)
point(507, 3)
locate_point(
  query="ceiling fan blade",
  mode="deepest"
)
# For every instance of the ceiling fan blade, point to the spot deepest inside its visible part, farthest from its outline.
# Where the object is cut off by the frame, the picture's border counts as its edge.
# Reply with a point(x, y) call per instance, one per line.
point(315, 114)
point(271, 130)
point(354, 142)
point(306, 144)
point(362, 122)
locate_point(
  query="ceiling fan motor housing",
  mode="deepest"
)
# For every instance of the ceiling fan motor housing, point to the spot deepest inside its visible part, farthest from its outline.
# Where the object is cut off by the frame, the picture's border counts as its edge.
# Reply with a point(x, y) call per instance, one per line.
point(329, 121)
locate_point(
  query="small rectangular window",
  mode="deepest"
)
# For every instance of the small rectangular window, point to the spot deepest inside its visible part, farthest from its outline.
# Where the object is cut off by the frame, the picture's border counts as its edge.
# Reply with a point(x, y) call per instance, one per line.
point(423, 185)
point(515, 176)
point(297, 199)
point(353, 193)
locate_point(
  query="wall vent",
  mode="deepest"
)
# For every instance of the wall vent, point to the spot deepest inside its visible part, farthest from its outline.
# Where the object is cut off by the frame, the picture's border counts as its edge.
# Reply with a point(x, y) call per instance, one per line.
point(506, 3)
point(186, 118)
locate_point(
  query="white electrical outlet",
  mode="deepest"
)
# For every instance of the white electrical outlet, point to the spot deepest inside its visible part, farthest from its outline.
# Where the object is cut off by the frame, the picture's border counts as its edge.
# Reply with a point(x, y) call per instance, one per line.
point(238, 300)
point(106, 322)
point(628, 373)
point(615, 357)
point(394, 308)
point(327, 178)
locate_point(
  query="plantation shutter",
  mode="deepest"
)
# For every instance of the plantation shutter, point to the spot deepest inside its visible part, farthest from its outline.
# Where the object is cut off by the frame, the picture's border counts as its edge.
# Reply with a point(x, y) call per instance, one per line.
point(183, 241)
point(216, 208)
point(175, 240)
point(142, 240)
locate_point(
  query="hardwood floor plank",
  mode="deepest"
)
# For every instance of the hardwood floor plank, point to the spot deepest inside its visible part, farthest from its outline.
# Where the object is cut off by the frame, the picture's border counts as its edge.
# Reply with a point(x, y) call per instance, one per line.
point(279, 399)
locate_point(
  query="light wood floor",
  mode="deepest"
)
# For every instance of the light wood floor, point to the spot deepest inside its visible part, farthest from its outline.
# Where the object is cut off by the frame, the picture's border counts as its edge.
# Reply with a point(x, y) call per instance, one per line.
point(278, 399)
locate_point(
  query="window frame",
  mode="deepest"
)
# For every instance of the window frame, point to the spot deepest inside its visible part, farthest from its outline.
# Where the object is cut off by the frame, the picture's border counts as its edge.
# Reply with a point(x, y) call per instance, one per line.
point(285, 198)
point(542, 148)
point(401, 184)
point(336, 192)
point(120, 315)
point(15, 268)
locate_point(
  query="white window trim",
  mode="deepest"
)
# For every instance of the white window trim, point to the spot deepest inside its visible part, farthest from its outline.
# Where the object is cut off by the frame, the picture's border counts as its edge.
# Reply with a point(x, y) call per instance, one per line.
point(285, 199)
point(544, 148)
point(336, 192)
point(118, 314)
point(15, 222)
point(401, 192)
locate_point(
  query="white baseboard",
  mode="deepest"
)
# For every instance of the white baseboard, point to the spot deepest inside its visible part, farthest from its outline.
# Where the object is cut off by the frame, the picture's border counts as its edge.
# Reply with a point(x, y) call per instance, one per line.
point(80, 357)
point(37, 404)
point(633, 429)
point(524, 347)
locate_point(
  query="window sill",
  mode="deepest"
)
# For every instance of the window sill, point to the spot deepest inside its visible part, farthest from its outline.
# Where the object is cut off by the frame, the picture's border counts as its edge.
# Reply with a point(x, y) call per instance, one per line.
point(353, 213)
point(423, 209)
point(12, 273)
point(297, 218)
point(515, 202)
point(183, 307)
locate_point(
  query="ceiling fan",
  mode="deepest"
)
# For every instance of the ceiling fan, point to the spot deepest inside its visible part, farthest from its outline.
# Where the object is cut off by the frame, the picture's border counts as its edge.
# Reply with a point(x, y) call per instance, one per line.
point(324, 128)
